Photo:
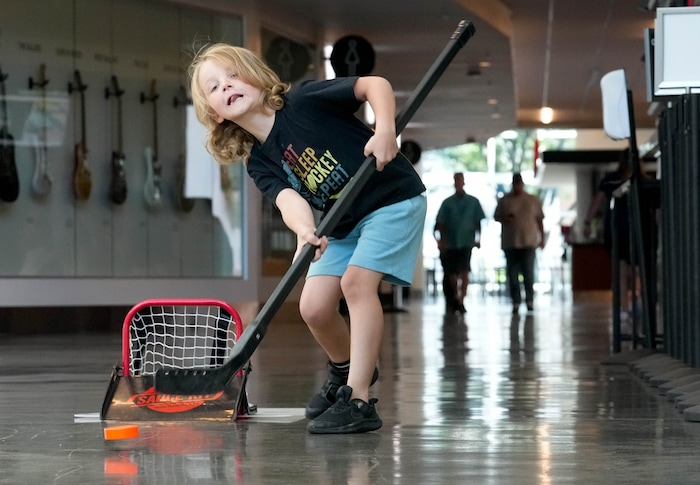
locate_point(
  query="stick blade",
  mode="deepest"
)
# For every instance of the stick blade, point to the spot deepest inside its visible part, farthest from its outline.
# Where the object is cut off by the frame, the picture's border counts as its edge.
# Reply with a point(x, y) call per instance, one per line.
point(192, 382)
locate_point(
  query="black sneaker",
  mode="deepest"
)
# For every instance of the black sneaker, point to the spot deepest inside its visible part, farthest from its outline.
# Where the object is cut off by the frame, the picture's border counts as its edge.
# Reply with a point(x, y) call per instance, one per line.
point(325, 398)
point(346, 416)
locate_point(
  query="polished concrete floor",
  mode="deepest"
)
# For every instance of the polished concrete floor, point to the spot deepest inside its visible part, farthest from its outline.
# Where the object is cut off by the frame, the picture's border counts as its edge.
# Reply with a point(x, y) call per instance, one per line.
point(488, 398)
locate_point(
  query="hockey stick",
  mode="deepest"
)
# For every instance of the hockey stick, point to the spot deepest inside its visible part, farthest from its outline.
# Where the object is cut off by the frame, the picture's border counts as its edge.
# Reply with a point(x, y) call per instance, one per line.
point(209, 381)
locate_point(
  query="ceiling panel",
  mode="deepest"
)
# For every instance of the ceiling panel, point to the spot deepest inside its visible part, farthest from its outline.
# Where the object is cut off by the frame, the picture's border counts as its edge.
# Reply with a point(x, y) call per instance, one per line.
point(535, 58)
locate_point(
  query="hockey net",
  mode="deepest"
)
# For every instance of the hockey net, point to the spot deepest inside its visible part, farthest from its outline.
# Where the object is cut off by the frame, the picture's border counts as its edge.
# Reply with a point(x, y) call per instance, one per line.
point(178, 334)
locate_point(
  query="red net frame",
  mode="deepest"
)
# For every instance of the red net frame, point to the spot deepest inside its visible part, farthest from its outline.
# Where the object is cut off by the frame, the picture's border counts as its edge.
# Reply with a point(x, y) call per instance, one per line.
point(178, 333)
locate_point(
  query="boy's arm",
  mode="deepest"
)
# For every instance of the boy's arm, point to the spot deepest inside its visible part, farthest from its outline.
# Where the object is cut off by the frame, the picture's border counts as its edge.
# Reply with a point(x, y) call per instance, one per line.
point(299, 218)
point(378, 92)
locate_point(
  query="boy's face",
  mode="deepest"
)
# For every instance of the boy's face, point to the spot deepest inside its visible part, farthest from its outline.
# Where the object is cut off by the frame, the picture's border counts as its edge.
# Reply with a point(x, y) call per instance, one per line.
point(230, 97)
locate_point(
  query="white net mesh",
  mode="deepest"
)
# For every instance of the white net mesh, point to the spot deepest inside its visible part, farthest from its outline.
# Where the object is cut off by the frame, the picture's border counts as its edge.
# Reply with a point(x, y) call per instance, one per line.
point(179, 337)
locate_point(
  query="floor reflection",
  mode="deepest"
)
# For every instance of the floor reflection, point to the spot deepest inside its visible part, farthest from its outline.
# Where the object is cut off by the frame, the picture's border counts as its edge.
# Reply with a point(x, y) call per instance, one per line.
point(487, 397)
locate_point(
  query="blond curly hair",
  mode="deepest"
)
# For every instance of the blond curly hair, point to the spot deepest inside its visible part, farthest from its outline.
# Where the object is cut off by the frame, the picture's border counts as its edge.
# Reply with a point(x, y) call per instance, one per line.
point(226, 141)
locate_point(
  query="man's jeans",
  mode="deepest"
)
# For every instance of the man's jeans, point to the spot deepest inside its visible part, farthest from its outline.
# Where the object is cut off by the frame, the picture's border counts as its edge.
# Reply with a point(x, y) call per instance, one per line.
point(521, 261)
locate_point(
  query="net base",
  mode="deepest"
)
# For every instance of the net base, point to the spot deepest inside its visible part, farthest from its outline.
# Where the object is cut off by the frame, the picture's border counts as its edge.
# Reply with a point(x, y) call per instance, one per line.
point(134, 398)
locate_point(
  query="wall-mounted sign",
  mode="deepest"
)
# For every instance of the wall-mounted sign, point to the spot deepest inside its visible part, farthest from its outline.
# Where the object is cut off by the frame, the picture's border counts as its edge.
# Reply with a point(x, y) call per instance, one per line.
point(352, 56)
point(412, 150)
point(289, 59)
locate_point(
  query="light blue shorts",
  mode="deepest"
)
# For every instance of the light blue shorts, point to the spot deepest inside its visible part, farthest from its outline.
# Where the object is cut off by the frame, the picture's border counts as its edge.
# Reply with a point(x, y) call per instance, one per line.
point(386, 241)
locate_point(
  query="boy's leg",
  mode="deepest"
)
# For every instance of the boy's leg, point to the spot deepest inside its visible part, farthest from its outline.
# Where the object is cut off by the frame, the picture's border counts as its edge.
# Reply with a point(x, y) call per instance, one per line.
point(318, 306)
point(319, 309)
point(360, 287)
point(354, 411)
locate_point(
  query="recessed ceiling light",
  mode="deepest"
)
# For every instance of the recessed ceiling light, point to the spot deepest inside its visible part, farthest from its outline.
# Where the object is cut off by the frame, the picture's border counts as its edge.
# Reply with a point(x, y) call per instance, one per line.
point(546, 115)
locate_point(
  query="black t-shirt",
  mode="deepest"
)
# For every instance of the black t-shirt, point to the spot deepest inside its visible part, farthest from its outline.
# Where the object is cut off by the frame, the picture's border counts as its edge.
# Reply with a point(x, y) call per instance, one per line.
point(315, 147)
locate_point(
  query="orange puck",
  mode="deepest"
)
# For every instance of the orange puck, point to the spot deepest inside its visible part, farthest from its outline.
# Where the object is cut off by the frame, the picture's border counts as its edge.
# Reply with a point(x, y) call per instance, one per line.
point(121, 432)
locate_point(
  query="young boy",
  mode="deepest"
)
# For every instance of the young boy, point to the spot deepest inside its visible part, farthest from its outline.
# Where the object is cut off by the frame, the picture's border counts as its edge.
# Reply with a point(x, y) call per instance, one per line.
point(301, 146)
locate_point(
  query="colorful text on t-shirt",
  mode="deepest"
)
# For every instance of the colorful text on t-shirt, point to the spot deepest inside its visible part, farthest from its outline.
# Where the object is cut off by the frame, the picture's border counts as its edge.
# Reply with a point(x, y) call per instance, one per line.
point(323, 175)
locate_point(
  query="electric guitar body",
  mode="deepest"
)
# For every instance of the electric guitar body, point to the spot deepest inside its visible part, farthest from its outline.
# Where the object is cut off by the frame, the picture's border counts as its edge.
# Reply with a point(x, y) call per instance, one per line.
point(152, 189)
point(82, 178)
point(41, 180)
point(117, 183)
point(9, 180)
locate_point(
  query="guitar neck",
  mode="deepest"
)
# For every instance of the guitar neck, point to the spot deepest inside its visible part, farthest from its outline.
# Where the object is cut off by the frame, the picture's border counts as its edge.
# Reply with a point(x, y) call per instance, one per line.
point(41, 84)
point(154, 98)
point(118, 93)
point(4, 111)
point(120, 131)
point(4, 118)
point(80, 87)
point(82, 118)
point(155, 131)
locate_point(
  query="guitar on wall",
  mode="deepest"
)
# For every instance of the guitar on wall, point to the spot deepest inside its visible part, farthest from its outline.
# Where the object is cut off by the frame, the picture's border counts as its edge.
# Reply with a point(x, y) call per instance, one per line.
point(82, 178)
point(117, 185)
point(152, 190)
point(41, 180)
point(9, 180)
point(184, 203)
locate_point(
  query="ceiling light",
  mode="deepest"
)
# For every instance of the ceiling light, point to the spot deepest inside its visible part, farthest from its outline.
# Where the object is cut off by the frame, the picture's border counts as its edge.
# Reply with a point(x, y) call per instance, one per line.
point(492, 101)
point(546, 115)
